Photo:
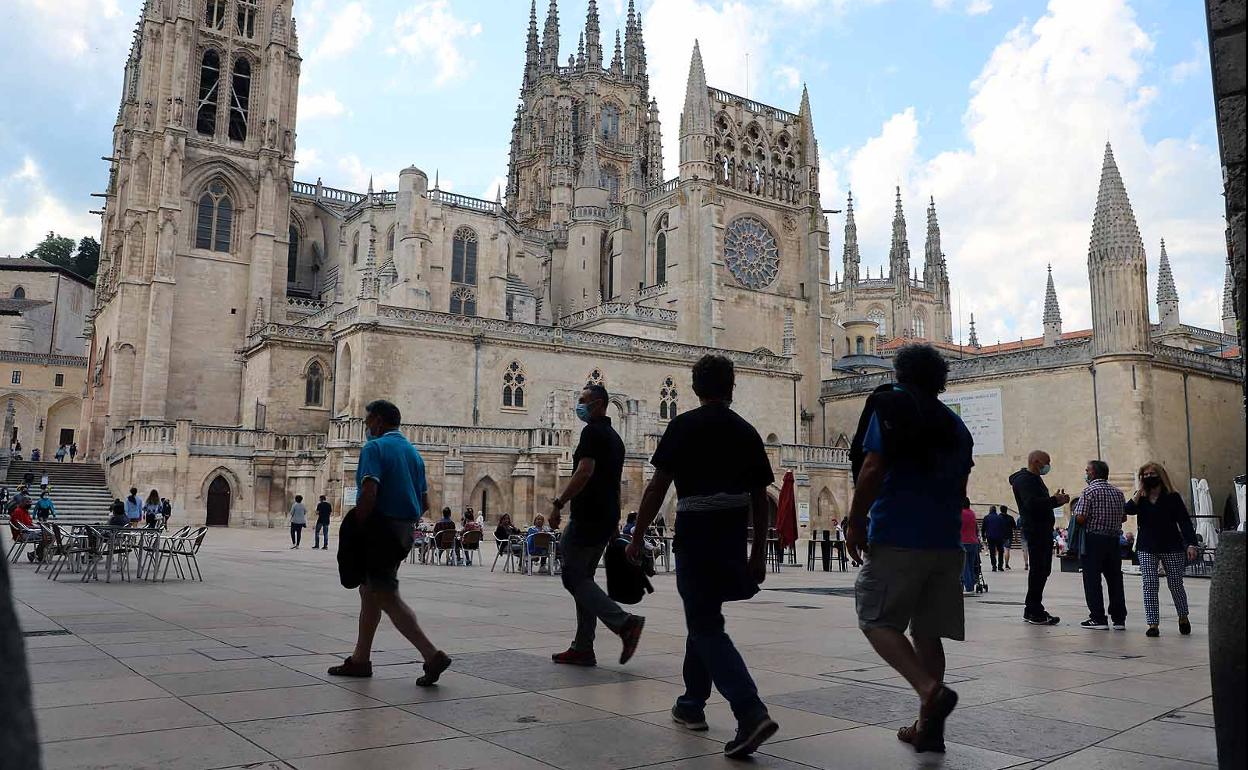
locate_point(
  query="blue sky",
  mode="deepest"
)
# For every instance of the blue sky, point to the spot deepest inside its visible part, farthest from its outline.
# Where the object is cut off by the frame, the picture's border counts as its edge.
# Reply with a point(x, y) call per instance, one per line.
point(998, 108)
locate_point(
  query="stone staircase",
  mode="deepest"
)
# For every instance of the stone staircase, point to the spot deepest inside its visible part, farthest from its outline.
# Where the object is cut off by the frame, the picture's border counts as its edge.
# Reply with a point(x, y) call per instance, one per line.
point(79, 490)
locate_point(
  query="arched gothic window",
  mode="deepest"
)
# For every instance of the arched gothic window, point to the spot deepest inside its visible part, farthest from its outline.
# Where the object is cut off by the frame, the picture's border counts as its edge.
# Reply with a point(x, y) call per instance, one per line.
point(920, 326)
point(246, 18)
point(215, 219)
point(877, 315)
point(609, 122)
point(240, 98)
point(19, 293)
point(292, 256)
point(355, 248)
point(595, 378)
point(209, 91)
point(860, 346)
point(390, 240)
point(610, 178)
point(464, 257)
point(314, 385)
point(667, 400)
point(214, 14)
point(514, 385)
point(463, 301)
point(660, 259)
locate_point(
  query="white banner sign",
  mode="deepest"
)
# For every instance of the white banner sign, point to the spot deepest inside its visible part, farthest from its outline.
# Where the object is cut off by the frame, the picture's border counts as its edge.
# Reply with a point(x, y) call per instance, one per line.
point(980, 410)
point(348, 497)
point(803, 513)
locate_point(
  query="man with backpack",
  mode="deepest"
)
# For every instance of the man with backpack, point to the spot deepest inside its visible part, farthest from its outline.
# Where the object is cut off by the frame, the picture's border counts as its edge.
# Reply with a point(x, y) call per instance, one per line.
point(721, 471)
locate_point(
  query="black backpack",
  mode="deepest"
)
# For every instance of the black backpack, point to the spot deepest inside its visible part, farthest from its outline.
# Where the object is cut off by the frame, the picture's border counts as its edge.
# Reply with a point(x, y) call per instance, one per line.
point(627, 583)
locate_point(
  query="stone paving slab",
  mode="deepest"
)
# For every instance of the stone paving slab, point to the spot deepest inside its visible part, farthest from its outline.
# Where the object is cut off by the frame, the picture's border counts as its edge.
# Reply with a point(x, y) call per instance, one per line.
point(231, 673)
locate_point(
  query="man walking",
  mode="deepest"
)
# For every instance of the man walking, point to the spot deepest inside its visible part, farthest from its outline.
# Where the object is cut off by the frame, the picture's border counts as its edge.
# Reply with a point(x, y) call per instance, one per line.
point(994, 532)
point(1101, 509)
point(916, 458)
point(1035, 511)
point(323, 511)
point(721, 471)
point(1010, 526)
point(392, 495)
point(594, 491)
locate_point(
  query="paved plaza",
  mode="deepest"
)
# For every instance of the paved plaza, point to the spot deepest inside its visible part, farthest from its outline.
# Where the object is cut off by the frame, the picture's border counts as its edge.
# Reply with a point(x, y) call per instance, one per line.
point(230, 673)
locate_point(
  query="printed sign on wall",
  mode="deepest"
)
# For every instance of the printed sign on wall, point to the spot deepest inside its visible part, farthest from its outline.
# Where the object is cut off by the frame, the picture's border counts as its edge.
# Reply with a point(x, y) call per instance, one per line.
point(980, 410)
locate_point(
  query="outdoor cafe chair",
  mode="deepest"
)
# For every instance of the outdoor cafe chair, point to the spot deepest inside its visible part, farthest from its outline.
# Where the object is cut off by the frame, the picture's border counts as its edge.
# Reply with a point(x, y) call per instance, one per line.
point(108, 545)
point(444, 546)
point(471, 541)
point(187, 548)
point(544, 544)
point(503, 544)
point(23, 536)
point(69, 548)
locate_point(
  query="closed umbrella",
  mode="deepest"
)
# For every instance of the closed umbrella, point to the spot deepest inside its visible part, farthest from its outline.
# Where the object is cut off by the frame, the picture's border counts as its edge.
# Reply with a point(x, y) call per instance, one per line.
point(1205, 519)
point(786, 513)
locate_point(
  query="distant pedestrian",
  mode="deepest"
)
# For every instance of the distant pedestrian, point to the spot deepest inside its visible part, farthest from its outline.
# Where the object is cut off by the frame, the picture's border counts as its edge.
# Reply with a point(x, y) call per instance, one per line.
point(298, 520)
point(1166, 537)
point(390, 478)
point(1035, 511)
point(44, 508)
point(60, 453)
point(73, 451)
point(915, 456)
point(134, 507)
point(1101, 511)
point(970, 547)
point(1011, 525)
point(323, 512)
point(151, 509)
point(166, 512)
point(994, 532)
point(594, 492)
point(720, 468)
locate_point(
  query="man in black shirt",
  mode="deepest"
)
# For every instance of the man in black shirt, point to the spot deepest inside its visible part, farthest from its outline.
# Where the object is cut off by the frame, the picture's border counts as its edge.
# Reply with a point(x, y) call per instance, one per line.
point(721, 472)
point(1035, 512)
point(1010, 526)
point(323, 510)
point(594, 491)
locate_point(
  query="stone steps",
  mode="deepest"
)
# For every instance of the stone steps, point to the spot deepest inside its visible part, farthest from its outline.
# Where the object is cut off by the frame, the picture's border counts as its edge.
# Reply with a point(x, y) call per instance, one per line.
point(79, 490)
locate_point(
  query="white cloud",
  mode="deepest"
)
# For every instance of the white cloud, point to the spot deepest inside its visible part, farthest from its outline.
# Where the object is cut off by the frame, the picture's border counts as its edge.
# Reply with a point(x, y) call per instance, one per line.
point(1198, 62)
point(354, 175)
point(1021, 193)
point(430, 34)
point(497, 186)
point(727, 32)
point(345, 30)
point(79, 26)
point(790, 76)
point(28, 211)
point(323, 104)
point(978, 7)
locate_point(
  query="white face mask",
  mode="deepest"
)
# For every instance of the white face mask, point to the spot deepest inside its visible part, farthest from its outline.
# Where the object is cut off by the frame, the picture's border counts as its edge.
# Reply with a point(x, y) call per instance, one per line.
point(1044, 470)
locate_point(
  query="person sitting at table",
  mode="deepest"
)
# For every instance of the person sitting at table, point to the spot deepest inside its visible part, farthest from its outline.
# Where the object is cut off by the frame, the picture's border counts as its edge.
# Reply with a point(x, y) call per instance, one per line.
point(538, 526)
point(504, 532)
point(445, 523)
point(630, 522)
point(471, 525)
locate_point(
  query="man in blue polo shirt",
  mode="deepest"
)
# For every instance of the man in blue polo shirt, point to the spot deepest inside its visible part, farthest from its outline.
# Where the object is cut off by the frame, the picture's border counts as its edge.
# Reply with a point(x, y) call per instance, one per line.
point(915, 458)
point(392, 495)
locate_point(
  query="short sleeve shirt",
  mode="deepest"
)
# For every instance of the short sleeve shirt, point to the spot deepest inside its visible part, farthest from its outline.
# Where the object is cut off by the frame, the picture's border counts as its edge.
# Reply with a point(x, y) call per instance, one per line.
point(596, 510)
point(713, 450)
point(920, 507)
point(323, 509)
point(399, 470)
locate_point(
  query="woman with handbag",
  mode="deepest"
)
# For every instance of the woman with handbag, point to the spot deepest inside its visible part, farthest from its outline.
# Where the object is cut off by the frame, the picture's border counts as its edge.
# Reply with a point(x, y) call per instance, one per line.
point(1166, 536)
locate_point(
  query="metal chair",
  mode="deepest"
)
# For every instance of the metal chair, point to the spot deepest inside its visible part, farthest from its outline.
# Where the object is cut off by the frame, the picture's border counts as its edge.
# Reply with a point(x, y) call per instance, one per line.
point(444, 546)
point(187, 548)
point(68, 547)
point(544, 544)
point(470, 543)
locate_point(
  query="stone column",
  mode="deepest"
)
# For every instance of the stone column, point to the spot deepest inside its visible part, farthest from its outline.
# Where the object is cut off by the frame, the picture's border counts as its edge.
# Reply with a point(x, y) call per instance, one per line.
point(453, 481)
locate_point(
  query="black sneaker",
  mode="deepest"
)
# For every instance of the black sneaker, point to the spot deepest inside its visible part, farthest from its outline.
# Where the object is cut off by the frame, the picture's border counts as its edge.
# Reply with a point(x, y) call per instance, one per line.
point(1094, 625)
point(1042, 620)
point(1119, 625)
point(750, 735)
point(689, 719)
point(1153, 632)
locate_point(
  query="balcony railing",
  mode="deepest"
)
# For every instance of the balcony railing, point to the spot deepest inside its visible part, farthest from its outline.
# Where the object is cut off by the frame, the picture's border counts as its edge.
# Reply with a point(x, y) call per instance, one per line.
point(42, 359)
point(351, 431)
point(624, 311)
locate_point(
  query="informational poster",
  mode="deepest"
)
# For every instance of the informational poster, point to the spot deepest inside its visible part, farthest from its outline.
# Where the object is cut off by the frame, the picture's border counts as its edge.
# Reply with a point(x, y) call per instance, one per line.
point(980, 410)
point(803, 513)
point(349, 495)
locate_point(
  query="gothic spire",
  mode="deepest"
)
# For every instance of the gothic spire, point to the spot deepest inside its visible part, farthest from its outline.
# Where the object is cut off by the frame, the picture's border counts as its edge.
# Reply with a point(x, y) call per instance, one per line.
point(617, 61)
point(1052, 313)
point(932, 254)
point(580, 51)
point(550, 37)
point(591, 172)
point(593, 43)
point(1115, 235)
point(810, 146)
point(1166, 291)
point(973, 341)
point(532, 49)
point(850, 255)
point(696, 114)
point(899, 250)
point(1228, 300)
point(634, 48)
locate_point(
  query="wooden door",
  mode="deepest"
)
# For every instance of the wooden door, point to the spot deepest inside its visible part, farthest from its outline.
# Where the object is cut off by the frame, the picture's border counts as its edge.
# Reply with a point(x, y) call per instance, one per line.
point(218, 503)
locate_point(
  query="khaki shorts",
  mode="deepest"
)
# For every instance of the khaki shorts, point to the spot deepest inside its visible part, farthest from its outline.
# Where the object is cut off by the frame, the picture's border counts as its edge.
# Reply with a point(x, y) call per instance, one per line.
point(911, 588)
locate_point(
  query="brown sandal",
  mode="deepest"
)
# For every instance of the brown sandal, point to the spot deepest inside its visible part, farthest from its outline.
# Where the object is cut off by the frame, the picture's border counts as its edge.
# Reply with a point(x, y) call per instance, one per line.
point(909, 733)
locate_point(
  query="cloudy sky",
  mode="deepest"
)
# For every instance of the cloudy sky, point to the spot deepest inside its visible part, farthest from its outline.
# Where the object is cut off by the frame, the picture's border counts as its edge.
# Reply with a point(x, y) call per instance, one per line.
point(998, 108)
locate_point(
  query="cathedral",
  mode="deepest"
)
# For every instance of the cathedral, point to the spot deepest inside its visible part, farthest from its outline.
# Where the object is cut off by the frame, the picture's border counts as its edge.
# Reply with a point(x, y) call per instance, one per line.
point(243, 318)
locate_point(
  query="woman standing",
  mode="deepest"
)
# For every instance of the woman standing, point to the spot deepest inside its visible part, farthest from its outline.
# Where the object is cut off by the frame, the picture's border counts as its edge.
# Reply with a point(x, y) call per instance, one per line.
point(970, 547)
point(151, 509)
point(298, 520)
point(1165, 535)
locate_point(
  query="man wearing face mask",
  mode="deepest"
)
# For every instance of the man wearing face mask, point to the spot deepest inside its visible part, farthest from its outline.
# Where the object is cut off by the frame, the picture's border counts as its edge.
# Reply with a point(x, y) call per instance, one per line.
point(1035, 510)
point(594, 491)
point(1101, 510)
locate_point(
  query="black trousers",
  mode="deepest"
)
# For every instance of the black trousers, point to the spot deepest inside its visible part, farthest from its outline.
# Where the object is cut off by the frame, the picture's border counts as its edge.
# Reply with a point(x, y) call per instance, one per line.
point(996, 553)
point(1102, 558)
point(1040, 552)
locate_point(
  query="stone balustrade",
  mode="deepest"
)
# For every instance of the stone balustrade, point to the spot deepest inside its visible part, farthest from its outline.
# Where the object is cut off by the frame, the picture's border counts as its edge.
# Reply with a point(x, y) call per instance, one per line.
point(658, 191)
point(624, 311)
point(652, 291)
point(42, 359)
point(758, 108)
point(303, 306)
point(166, 437)
point(807, 455)
point(351, 432)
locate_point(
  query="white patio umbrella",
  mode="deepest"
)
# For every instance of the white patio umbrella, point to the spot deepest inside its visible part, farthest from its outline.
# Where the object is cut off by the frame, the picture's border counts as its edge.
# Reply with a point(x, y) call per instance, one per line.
point(1206, 524)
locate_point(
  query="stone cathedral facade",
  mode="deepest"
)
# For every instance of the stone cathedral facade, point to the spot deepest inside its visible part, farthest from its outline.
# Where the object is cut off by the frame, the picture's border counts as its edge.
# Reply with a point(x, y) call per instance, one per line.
point(243, 318)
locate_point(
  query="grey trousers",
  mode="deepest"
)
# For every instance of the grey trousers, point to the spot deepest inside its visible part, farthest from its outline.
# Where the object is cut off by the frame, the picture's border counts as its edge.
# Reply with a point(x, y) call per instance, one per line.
point(580, 562)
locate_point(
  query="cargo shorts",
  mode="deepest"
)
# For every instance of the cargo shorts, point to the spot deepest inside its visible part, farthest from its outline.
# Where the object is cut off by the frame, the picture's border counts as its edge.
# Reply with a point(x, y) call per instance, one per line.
point(913, 588)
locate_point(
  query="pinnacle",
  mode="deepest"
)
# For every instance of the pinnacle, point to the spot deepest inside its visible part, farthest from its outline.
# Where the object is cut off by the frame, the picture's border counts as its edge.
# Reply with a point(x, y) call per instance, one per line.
point(1166, 291)
point(1228, 293)
point(1052, 313)
point(1115, 234)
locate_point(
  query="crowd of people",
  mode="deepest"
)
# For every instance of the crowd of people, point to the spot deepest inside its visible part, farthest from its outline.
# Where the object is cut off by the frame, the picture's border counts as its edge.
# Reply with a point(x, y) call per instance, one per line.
point(63, 451)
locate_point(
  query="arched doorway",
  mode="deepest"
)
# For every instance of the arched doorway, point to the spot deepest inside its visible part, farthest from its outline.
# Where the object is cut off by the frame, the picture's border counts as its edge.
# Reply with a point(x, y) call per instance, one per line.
point(487, 500)
point(218, 503)
point(826, 508)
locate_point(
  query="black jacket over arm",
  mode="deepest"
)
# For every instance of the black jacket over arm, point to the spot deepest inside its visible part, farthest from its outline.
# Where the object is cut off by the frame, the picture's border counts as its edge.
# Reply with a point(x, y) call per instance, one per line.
point(1164, 526)
point(1035, 504)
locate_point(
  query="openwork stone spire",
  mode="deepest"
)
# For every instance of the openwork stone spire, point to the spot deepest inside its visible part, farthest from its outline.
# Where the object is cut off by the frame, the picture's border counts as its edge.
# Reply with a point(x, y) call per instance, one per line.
point(1228, 300)
point(617, 61)
point(532, 48)
point(550, 37)
point(931, 249)
point(591, 172)
point(899, 250)
point(850, 256)
point(593, 37)
point(810, 145)
point(1052, 313)
point(1166, 291)
point(973, 341)
point(1117, 270)
point(695, 122)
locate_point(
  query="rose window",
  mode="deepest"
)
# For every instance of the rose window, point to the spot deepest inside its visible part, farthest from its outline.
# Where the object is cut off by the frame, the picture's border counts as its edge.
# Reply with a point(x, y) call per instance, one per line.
point(751, 253)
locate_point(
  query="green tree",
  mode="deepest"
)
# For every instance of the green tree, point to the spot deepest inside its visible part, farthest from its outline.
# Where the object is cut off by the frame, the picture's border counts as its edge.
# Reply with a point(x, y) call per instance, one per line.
point(60, 251)
point(87, 260)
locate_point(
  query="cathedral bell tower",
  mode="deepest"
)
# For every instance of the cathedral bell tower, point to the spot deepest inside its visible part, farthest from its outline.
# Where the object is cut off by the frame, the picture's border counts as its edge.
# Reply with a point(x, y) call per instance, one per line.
point(197, 211)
